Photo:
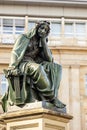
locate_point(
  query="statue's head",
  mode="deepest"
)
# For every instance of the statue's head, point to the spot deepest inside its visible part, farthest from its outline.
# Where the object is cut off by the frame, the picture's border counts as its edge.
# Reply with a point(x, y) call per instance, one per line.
point(43, 28)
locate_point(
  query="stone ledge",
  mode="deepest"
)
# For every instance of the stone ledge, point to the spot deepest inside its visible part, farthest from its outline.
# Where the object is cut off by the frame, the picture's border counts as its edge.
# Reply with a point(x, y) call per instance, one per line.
point(34, 110)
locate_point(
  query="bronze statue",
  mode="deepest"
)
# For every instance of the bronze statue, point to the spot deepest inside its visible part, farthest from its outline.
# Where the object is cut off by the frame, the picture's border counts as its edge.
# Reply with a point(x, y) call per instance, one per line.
point(32, 74)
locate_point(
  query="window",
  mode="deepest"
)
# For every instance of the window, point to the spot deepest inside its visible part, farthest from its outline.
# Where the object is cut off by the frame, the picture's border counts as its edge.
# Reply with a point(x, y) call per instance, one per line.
point(31, 24)
point(86, 84)
point(19, 26)
point(3, 84)
point(68, 30)
point(7, 26)
point(55, 29)
point(10, 28)
point(80, 29)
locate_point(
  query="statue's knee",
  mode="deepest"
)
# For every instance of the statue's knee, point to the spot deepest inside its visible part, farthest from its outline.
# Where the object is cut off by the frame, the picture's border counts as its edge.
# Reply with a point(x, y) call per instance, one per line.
point(32, 67)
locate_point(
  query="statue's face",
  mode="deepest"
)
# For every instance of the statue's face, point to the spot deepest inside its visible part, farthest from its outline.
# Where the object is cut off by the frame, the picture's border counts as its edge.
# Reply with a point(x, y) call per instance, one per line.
point(43, 30)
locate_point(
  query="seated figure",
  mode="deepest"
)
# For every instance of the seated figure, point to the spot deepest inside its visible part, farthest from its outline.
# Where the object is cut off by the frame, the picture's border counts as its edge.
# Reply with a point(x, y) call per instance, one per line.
point(32, 75)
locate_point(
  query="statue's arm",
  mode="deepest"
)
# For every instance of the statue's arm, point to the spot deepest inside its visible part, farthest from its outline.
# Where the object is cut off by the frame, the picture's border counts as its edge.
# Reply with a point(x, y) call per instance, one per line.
point(13, 69)
point(13, 60)
point(18, 50)
point(46, 50)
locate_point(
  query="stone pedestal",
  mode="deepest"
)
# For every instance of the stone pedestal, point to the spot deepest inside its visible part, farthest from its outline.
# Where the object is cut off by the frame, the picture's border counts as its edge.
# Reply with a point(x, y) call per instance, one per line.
point(2, 125)
point(35, 118)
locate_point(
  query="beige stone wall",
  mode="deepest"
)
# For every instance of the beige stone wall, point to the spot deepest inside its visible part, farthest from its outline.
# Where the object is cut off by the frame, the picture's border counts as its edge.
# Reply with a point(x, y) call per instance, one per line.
point(72, 88)
point(46, 11)
point(5, 53)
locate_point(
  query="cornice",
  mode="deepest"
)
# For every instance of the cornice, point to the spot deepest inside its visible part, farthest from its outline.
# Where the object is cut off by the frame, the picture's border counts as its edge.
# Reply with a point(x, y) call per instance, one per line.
point(73, 48)
point(61, 47)
point(75, 3)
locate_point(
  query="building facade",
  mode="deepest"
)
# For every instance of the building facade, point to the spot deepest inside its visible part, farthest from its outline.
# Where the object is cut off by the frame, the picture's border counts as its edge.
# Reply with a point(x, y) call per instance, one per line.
point(67, 40)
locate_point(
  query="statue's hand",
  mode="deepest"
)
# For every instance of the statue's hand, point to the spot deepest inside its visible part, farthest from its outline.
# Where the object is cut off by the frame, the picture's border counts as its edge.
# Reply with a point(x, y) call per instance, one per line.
point(43, 41)
point(43, 38)
point(14, 71)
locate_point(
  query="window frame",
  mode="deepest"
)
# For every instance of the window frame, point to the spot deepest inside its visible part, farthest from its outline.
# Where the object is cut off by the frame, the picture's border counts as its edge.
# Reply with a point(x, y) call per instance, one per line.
point(78, 35)
point(58, 34)
point(7, 38)
point(71, 34)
